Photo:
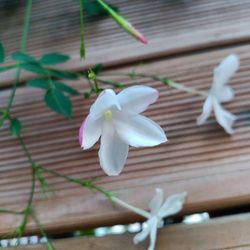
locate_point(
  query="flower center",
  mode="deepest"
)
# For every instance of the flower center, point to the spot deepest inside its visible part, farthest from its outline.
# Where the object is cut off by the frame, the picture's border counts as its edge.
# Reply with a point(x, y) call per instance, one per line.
point(107, 114)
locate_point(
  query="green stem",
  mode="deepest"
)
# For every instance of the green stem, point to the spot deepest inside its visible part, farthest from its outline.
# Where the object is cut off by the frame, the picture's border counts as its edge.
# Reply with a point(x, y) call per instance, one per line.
point(40, 227)
point(82, 43)
point(22, 49)
point(8, 211)
point(87, 184)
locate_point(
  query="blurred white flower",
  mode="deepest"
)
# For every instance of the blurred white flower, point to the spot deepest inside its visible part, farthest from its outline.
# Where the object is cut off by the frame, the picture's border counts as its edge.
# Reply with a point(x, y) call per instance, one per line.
point(220, 93)
point(159, 210)
point(117, 119)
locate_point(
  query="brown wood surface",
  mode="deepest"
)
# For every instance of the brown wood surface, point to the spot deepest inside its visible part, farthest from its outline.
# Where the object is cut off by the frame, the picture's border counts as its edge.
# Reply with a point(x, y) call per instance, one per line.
point(226, 233)
point(210, 165)
point(170, 26)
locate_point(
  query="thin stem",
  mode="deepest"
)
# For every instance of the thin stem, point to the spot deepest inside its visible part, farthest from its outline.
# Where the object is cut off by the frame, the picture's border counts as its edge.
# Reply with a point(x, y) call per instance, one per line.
point(139, 211)
point(40, 227)
point(8, 211)
point(22, 49)
point(87, 184)
point(82, 44)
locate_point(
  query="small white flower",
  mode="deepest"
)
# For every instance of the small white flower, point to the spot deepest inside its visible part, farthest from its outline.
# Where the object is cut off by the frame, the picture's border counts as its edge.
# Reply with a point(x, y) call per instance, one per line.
point(159, 210)
point(220, 93)
point(117, 119)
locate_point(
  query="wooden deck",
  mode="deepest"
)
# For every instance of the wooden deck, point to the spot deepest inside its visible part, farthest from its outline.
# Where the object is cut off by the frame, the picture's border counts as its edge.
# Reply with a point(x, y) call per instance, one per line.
point(187, 40)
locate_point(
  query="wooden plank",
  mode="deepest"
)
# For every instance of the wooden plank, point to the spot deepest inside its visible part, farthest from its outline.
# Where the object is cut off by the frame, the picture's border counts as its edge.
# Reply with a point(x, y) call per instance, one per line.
point(171, 27)
point(210, 165)
point(225, 233)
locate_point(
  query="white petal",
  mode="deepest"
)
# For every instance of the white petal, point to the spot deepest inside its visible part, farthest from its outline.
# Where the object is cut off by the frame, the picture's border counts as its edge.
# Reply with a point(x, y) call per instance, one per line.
point(105, 101)
point(90, 132)
point(224, 118)
point(157, 201)
point(137, 98)
point(207, 109)
point(227, 94)
point(139, 131)
point(141, 236)
point(113, 151)
point(172, 205)
point(225, 71)
point(153, 234)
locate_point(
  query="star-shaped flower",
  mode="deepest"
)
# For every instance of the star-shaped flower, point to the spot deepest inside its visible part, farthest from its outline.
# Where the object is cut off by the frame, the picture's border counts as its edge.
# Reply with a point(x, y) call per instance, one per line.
point(117, 120)
point(159, 210)
point(220, 93)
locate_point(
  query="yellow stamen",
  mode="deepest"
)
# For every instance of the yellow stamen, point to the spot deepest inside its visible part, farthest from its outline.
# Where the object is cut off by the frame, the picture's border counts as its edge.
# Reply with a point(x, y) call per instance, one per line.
point(107, 114)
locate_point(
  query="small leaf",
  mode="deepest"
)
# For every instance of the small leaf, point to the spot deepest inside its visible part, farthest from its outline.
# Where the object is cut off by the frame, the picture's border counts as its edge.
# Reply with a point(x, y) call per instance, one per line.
point(63, 74)
point(33, 67)
point(54, 58)
point(39, 83)
point(15, 127)
point(98, 68)
point(22, 57)
point(2, 53)
point(58, 102)
point(65, 88)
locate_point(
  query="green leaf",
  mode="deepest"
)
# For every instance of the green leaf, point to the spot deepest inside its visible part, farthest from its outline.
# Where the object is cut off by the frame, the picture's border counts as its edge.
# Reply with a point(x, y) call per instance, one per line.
point(54, 58)
point(94, 9)
point(65, 88)
point(2, 53)
point(39, 83)
point(98, 68)
point(7, 67)
point(34, 67)
point(63, 74)
point(22, 57)
point(58, 102)
point(15, 127)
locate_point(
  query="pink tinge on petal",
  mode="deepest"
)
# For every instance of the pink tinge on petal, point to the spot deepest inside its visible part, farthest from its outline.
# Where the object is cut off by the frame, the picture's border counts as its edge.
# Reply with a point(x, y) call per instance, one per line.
point(81, 130)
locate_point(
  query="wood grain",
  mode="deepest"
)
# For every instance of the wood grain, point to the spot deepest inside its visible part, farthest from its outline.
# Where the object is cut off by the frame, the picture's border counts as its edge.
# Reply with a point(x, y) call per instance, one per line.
point(202, 160)
point(226, 233)
point(171, 27)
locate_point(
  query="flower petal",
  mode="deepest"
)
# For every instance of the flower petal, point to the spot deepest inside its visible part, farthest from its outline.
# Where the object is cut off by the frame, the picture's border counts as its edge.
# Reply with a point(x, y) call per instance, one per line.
point(137, 98)
point(105, 101)
point(138, 130)
point(153, 234)
point(141, 236)
point(227, 94)
point(113, 151)
point(225, 71)
point(157, 201)
point(224, 118)
point(90, 132)
point(172, 205)
point(207, 109)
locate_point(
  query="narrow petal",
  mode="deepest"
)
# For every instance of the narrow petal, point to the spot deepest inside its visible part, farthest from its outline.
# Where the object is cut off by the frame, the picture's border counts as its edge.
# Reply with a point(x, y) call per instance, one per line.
point(224, 118)
point(107, 100)
point(172, 205)
point(141, 236)
point(137, 98)
point(153, 234)
point(139, 131)
point(207, 109)
point(113, 151)
point(227, 94)
point(157, 201)
point(90, 132)
point(225, 71)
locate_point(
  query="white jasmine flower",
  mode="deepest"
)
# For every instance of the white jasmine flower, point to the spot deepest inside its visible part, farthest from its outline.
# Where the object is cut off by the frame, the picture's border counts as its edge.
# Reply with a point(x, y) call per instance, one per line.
point(117, 120)
point(159, 210)
point(220, 93)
